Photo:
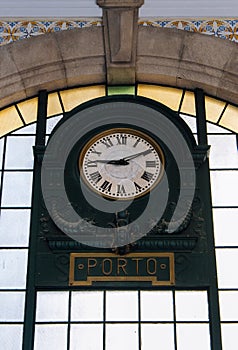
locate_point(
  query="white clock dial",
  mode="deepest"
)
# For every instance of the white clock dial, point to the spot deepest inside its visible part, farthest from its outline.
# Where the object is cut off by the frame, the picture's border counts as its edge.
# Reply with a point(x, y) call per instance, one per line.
point(121, 163)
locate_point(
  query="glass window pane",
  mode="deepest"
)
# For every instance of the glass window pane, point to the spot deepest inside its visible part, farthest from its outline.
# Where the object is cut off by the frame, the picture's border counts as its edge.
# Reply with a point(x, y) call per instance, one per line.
point(17, 188)
point(229, 118)
point(227, 261)
point(223, 151)
point(188, 105)
point(228, 305)
point(161, 334)
point(14, 227)
point(225, 222)
point(87, 306)
point(9, 120)
point(191, 306)
point(212, 128)
point(19, 152)
point(121, 90)
point(156, 306)
point(214, 108)
point(224, 188)
point(11, 337)
point(73, 97)
point(168, 96)
point(51, 123)
point(85, 336)
point(52, 306)
point(12, 306)
point(122, 306)
point(54, 106)
point(122, 336)
point(193, 336)
point(49, 337)
point(190, 121)
point(29, 129)
point(28, 109)
point(13, 267)
point(229, 336)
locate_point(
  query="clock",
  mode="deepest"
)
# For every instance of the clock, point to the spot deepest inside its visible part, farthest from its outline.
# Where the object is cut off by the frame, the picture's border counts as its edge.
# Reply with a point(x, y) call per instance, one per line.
point(121, 163)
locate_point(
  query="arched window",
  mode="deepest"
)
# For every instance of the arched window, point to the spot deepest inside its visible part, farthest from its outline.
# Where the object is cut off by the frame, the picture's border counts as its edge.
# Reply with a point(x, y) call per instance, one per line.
point(110, 318)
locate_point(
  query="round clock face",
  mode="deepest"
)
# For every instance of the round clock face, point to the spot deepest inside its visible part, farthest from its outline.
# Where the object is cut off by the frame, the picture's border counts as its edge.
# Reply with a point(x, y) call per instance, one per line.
point(121, 163)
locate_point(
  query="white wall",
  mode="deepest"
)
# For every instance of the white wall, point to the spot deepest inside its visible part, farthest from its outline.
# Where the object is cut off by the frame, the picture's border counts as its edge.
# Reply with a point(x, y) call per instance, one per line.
point(88, 8)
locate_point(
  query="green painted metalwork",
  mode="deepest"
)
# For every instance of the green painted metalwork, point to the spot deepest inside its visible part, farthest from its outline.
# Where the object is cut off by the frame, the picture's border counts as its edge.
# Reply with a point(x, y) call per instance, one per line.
point(192, 246)
point(28, 335)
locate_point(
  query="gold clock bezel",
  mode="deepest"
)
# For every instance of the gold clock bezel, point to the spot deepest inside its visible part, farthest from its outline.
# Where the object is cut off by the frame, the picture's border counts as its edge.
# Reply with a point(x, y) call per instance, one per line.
point(116, 130)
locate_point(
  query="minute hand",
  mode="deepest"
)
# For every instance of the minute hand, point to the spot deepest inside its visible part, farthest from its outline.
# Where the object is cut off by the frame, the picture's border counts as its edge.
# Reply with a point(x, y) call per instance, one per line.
point(137, 155)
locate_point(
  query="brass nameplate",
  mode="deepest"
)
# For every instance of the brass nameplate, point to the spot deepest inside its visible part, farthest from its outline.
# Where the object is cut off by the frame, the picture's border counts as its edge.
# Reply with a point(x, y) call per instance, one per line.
point(88, 269)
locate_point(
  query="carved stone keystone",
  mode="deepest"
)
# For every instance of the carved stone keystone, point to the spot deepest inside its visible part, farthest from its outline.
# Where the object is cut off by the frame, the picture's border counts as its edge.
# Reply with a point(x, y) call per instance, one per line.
point(120, 21)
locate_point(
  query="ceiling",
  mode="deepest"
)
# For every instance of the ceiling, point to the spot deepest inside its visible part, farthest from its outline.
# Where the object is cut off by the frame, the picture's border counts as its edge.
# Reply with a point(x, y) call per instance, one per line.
point(88, 8)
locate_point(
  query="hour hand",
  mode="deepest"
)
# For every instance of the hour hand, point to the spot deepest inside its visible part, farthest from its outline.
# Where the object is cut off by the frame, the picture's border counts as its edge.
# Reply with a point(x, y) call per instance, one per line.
point(114, 162)
point(118, 162)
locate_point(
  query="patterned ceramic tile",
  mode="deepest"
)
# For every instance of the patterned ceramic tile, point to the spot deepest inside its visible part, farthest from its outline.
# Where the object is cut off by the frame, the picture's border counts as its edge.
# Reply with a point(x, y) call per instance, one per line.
point(17, 30)
point(221, 28)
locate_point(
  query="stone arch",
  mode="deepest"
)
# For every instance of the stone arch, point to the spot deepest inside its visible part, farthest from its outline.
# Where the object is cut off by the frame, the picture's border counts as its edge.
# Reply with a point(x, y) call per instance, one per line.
point(188, 60)
point(77, 57)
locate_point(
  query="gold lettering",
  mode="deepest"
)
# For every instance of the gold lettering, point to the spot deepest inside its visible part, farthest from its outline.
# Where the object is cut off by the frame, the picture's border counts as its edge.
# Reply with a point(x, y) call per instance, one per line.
point(91, 265)
point(137, 264)
point(148, 266)
point(121, 265)
point(110, 266)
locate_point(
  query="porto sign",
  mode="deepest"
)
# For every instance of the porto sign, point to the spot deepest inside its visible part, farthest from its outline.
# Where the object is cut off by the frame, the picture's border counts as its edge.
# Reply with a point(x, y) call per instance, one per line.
point(87, 269)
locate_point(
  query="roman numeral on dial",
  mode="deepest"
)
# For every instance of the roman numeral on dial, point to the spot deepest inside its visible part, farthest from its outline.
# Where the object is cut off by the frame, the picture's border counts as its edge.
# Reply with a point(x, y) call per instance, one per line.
point(91, 164)
point(107, 142)
point(147, 176)
point(106, 186)
point(150, 164)
point(138, 187)
point(136, 143)
point(96, 177)
point(122, 140)
point(95, 152)
point(121, 189)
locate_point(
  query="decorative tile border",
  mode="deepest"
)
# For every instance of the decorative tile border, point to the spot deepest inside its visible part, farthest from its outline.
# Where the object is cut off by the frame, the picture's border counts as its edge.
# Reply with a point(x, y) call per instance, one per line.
point(13, 30)
point(221, 28)
point(21, 29)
